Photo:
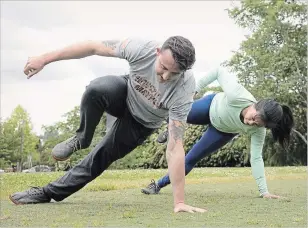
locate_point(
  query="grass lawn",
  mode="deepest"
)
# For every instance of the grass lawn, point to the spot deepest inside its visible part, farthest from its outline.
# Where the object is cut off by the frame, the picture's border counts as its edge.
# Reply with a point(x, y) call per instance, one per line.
point(114, 200)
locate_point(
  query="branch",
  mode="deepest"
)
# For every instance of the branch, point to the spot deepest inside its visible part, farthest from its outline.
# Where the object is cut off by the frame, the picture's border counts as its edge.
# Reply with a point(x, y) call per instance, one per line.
point(297, 68)
point(300, 135)
point(304, 92)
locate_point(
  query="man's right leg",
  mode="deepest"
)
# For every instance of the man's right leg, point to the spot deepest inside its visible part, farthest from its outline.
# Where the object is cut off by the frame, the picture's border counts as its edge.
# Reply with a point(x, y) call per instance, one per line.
point(124, 136)
point(98, 97)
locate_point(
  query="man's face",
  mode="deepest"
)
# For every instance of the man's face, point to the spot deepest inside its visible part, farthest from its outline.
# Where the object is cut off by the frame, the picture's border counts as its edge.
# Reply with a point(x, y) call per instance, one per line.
point(166, 68)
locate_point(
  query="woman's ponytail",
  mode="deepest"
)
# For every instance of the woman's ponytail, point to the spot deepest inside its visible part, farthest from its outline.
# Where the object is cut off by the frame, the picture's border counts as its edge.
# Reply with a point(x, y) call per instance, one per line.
point(282, 131)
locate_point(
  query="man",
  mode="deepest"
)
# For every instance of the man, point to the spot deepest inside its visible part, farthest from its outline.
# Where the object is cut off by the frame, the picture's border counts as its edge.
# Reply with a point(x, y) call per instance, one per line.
point(110, 120)
point(159, 84)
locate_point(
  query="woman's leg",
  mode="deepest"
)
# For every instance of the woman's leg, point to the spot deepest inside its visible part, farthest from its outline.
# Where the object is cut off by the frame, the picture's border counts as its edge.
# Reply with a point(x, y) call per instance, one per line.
point(200, 111)
point(211, 141)
point(199, 114)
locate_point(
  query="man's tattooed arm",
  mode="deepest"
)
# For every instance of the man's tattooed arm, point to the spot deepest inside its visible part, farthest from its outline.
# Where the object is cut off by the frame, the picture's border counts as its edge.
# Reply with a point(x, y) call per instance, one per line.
point(112, 44)
point(176, 133)
point(108, 47)
point(176, 157)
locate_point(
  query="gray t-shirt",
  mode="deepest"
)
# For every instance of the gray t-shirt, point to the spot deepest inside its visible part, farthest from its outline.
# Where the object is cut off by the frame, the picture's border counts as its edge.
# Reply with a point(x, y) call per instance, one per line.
point(149, 101)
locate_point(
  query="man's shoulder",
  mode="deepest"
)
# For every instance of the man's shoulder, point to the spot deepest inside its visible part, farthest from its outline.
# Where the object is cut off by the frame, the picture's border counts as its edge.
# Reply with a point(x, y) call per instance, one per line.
point(136, 49)
point(189, 79)
point(143, 42)
point(188, 84)
point(188, 75)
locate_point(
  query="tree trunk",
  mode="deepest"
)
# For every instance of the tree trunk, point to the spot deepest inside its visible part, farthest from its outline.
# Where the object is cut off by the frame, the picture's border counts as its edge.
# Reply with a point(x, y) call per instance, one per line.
point(300, 135)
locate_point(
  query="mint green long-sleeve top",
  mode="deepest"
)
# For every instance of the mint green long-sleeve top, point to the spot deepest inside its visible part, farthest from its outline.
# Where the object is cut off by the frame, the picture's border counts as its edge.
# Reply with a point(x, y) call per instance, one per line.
point(225, 112)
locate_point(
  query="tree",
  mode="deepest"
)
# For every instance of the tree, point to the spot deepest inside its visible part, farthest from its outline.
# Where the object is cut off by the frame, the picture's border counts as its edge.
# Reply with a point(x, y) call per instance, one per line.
point(17, 139)
point(4, 148)
point(274, 57)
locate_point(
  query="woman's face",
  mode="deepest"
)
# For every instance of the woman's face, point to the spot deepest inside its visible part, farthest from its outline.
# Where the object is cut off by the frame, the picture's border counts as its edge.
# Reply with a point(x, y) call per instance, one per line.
point(253, 118)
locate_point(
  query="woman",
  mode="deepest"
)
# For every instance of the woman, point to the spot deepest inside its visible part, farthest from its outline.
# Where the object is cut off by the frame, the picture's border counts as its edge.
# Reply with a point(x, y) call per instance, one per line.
point(229, 113)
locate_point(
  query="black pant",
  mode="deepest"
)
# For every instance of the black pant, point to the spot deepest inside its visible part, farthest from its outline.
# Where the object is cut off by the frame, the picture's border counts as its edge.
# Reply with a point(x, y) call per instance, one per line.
point(103, 94)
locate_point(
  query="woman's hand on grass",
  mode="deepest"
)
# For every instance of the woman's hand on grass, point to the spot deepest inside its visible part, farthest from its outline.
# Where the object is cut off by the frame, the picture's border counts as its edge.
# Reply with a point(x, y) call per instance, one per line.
point(270, 196)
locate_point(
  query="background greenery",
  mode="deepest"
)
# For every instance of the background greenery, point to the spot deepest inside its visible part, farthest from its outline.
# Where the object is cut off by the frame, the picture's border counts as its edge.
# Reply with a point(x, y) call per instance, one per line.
point(271, 63)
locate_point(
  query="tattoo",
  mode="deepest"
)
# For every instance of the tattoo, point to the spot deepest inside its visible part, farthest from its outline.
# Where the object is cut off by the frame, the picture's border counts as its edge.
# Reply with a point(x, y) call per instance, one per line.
point(176, 131)
point(111, 43)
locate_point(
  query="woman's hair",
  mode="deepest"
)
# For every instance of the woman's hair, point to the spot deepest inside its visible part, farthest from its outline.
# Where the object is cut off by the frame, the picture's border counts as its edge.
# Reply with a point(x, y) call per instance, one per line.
point(278, 118)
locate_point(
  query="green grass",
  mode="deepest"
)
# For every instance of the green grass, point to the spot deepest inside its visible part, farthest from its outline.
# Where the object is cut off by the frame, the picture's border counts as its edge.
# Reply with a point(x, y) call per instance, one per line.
point(114, 199)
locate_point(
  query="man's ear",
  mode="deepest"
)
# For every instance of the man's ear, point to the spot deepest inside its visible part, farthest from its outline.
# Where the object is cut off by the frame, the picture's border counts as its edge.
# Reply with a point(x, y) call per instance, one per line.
point(158, 51)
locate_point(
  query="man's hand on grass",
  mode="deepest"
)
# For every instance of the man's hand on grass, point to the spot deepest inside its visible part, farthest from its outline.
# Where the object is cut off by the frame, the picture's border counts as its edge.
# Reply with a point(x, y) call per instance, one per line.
point(182, 207)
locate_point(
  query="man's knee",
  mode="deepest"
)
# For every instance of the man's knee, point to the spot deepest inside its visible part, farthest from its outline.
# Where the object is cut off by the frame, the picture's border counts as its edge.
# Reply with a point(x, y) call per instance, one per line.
point(95, 88)
point(109, 86)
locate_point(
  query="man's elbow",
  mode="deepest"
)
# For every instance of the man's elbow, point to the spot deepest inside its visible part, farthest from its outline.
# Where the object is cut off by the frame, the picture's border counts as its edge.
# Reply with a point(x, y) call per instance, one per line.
point(96, 47)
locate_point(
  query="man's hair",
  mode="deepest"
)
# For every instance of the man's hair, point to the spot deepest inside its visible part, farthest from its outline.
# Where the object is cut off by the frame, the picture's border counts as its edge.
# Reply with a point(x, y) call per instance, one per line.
point(182, 51)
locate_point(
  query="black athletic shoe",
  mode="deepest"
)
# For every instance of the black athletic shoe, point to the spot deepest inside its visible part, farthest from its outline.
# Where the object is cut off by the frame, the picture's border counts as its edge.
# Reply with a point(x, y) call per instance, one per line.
point(30, 196)
point(64, 150)
point(162, 137)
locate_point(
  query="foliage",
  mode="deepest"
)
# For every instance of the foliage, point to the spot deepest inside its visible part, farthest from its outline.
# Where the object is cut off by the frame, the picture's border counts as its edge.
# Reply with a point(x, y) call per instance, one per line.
point(17, 141)
point(274, 57)
point(270, 63)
